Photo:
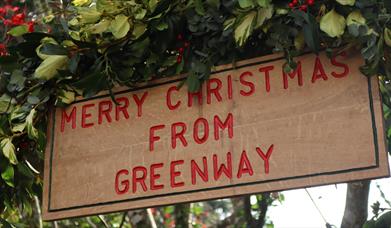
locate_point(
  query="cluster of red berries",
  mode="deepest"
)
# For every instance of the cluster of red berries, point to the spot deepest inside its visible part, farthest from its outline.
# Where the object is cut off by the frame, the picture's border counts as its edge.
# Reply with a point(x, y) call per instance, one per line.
point(301, 4)
point(182, 48)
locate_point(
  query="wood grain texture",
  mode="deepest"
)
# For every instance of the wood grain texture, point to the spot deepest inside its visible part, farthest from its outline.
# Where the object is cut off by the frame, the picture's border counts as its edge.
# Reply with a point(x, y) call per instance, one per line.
point(322, 131)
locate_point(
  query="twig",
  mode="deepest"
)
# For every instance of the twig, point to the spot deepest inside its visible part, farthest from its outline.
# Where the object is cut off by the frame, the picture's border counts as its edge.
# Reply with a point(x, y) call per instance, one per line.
point(102, 219)
point(123, 219)
point(151, 218)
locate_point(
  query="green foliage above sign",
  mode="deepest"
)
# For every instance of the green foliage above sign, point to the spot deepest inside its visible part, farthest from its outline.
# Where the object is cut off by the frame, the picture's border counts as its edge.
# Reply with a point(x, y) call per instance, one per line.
point(92, 46)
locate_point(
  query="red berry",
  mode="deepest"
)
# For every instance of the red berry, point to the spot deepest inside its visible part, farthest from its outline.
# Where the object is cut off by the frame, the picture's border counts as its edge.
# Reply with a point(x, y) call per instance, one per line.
point(295, 2)
point(303, 7)
point(187, 44)
point(291, 5)
point(181, 49)
point(310, 2)
point(179, 37)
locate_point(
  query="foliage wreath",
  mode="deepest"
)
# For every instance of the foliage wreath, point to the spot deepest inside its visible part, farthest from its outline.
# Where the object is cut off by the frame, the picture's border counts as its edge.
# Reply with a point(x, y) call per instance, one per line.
point(90, 46)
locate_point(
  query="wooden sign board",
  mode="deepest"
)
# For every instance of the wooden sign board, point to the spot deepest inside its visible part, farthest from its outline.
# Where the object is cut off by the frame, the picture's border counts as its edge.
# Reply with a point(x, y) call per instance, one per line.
point(251, 129)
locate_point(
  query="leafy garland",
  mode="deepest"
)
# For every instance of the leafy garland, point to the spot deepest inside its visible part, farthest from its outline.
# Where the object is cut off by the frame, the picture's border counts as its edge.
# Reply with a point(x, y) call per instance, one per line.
point(90, 46)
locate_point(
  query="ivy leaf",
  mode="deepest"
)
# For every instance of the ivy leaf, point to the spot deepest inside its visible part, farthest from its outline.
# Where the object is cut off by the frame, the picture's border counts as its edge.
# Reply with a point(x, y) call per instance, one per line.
point(387, 36)
point(333, 24)
point(8, 175)
point(88, 15)
point(120, 26)
point(263, 15)
point(346, 2)
point(32, 132)
point(193, 83)
point(245, 28)
point(8, 149)
point(355, 17)
point(6, 224)
point(48, 68)
point(263, 3)
point(18, 30)
point(139, 29)
point(66, 97)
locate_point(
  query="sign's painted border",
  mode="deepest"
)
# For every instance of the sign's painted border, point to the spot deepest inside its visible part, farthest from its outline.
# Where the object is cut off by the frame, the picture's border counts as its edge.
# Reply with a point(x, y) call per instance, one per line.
point(375, 140)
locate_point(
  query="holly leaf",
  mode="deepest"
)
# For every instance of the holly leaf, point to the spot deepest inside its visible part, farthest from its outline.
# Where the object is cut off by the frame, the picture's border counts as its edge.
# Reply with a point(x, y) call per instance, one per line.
point(49, 67)
point(8, 149)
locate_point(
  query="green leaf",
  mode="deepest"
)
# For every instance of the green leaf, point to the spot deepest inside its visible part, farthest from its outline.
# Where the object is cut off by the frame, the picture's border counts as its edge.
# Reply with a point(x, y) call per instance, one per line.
point(48, 68)
point(346, 2)
point(199, 8)
point(53, 49)
point(100, 27)
point(387, 36)
point(88, 15)
point(245, 28)
point(8, 149)
point(246, 3)
point(263, 15)
point(66, 97)
point(193, 83)
point(18, 30)
point(263, 3)
point(120, 26)
point(311, 33)
point(355, 17)
point(6, 224)
point(333, 24)
point(138, 30)
point(32, 132)
point(8, 175)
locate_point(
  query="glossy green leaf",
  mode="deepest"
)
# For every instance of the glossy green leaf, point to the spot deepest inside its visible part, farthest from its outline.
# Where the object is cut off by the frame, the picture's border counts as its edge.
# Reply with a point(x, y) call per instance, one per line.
point(346, 2)
point(50, 66)
point(333, 24)
point(244, 29)
point(8, 175)
point(8, 149)
point(32, 132)
point(18, 30)
point(120, 26)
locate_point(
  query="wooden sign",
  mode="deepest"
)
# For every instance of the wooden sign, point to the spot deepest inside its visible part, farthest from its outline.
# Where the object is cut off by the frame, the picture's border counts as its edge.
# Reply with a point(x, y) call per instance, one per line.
point(252, 128)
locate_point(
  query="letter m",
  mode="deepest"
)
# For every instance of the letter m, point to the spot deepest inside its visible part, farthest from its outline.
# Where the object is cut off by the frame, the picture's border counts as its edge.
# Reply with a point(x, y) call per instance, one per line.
point(228, 123)
point(68, 118)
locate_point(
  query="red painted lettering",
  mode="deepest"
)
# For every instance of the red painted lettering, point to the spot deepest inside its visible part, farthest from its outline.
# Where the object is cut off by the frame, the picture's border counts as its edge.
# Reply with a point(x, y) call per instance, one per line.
point(104, 111)
point(215, 90)
point(141, 179)
point(168, 98)
point(246, 83)
point(196, 169)
point(140, 103)
point(318, 71)
point(339, 64)
point(226, 169)
point(265, 157)
point(124, 183)
point(190, 97)
point(266, 70)
point(196, 130)
point(122, 108)
point(85, 115)
point(228, 123)
point(298, 71)
point(178, 134)
point(67, 118)
point(154, 176)
point(174, 174)
point(152, 137)
point(244, 165)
